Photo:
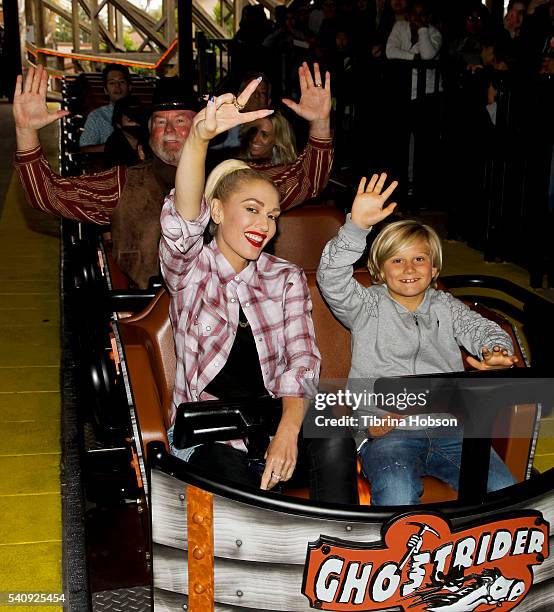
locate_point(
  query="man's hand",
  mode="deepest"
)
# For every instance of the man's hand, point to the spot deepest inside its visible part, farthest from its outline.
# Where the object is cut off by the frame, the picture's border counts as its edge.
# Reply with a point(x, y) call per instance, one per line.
point(315, 100)
point(496, 359)
point(367, 209)
point(29, 108)
point(29, 101)
point(223, 112)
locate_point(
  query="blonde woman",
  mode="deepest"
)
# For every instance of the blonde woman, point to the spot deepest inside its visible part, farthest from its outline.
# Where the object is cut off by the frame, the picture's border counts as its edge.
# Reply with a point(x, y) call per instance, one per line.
point(242, 318)
point(269, 139)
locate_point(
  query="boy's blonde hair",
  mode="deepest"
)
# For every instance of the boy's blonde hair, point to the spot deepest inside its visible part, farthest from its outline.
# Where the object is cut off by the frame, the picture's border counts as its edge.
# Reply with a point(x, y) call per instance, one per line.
point(397, 236)
point(225, 178)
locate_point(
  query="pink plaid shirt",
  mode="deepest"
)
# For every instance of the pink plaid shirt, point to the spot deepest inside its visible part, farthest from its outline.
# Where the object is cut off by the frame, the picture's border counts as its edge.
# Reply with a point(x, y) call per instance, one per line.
point(205, 297)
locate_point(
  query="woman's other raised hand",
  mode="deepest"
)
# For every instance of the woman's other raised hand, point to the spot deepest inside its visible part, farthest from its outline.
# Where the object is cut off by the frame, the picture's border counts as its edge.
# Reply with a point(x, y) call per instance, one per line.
point(369, 204)
point(223, 113)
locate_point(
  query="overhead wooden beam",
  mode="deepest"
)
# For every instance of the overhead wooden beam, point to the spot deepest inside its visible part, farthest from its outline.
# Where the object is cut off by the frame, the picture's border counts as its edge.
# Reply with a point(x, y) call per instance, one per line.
point(169, 13)
point(76, 26)
point(52, 6)
point(139, 22)
point(119, 46)
point(40, 34)
point(94, 23)
point(119, 29)
point(202, 18)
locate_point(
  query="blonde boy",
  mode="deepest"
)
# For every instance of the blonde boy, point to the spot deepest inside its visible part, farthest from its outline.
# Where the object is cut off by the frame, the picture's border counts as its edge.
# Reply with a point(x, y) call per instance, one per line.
point(402, 325)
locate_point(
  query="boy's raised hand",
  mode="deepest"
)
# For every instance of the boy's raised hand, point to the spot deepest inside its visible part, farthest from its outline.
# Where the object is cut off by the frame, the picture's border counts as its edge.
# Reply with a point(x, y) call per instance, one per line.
point(367, 209)
point(496, 359)
point(223, 112)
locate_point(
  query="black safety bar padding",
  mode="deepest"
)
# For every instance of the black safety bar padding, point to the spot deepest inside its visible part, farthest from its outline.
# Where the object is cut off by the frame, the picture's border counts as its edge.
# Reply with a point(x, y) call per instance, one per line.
point(489, 393)
point(198, 422)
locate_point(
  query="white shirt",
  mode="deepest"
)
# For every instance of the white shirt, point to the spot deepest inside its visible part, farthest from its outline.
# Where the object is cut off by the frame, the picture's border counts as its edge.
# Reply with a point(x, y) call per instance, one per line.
point(400, 46)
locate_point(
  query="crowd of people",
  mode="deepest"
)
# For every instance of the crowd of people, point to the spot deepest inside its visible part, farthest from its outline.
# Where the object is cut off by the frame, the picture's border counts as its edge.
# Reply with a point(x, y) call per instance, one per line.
point(232, 305)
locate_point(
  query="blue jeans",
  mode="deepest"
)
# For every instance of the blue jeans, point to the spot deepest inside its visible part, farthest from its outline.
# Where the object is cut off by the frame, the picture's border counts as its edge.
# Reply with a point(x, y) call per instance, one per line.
point(395, 464)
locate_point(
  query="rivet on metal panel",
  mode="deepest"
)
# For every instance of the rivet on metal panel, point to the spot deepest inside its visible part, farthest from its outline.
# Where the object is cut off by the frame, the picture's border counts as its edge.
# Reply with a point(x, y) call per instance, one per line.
point(348, 527)
point(198, 553)
point(182, 497)
point(325, 550)
point(198, 518)
point(238, 543)
point(199, 588)
point(240, 593)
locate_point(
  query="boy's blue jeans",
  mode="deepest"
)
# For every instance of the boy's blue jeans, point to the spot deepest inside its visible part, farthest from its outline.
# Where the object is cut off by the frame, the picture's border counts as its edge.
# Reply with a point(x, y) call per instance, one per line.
point(395, 463)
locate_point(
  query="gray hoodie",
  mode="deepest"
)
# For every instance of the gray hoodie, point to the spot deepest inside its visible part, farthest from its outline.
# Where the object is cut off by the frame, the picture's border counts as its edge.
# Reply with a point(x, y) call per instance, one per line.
point(387, 338)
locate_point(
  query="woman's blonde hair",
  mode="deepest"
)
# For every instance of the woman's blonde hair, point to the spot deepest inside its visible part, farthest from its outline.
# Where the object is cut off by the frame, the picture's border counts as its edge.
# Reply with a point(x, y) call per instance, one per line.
point(400, 235)
point(284, 150)
point(225, 178)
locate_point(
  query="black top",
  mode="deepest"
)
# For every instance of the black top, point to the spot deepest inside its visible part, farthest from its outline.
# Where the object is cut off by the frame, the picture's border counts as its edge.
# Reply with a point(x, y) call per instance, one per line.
point(241, 376)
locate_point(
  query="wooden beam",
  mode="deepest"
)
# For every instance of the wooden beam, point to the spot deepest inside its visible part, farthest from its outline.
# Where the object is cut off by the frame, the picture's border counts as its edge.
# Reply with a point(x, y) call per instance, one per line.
point(119, 29)
point(100, 7)
point(40, 34)
point(119, 46)
point(70, 17)
point(94, 23)
point(201, 17)
point(111, 20)
point(169, 13)
point(137, 19)
point(76, 26)
point(160, 24)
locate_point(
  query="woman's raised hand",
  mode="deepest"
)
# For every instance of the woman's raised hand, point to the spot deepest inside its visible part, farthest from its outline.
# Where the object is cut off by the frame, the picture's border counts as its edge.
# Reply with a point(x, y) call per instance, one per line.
point(223, 112)
point(315, 94)
point(29, 102)
point(368, 207)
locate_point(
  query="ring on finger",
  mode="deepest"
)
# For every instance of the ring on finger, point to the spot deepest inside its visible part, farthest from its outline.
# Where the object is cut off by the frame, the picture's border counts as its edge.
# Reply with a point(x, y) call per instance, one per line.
point(237, 104)
point(318, 84)
point(275, 476)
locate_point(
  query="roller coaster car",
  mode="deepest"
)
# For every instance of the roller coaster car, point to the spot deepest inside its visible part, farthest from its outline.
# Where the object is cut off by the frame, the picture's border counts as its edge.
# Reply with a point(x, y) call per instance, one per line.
point(215, 547)
point(150, 355)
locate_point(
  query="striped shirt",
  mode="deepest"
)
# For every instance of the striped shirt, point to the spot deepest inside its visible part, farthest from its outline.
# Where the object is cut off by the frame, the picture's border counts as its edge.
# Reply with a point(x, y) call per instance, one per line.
point(306, 177)
point(205, 296)
point(92, 198)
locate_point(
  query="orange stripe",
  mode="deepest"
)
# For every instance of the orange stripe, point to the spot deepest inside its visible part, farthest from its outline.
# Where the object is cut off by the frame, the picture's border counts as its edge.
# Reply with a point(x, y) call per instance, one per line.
point(200, 550)
point(105, 60)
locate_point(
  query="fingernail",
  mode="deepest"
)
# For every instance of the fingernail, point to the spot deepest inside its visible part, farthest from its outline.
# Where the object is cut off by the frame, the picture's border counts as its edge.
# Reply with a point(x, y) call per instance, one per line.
point(259, 79)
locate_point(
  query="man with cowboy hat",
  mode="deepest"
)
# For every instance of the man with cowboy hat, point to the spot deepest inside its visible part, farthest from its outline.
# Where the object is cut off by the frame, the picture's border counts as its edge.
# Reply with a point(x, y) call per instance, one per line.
point(131, 198)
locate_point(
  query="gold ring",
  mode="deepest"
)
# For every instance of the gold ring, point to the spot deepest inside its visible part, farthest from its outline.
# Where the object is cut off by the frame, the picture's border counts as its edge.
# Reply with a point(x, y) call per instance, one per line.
point(275, 476)
point(237, 104)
